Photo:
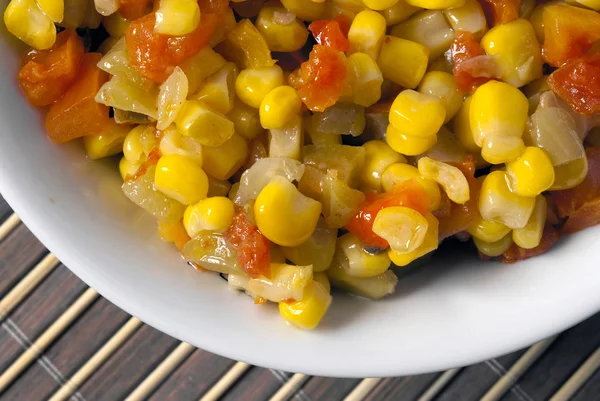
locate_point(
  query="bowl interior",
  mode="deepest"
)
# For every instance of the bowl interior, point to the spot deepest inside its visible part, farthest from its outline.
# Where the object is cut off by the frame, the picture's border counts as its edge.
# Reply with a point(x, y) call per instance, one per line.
point(455, 311)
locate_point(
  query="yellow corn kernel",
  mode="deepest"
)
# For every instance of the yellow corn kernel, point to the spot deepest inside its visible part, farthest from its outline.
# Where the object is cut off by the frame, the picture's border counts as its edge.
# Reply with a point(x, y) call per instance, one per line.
point(224, 160)
point(138, 143)
point(54, 9)
point(180, 178)
point(281, 29)
point(360, 262)
point(308, 312)
point(408, 145)
point(493, 249)
point(429, 28)
point(399, 12)
point(366, 33)
point(449, 177)
point(317, 250)
point(127, 168)
point(104, 7)
point(436, 4)
point(115, 24)
point(25, 20)
point(442, 86)
point(286, 283)
point(380, 4)
point(108, 143)
point(288, 140)
point(530, 236)
point(486, 230)
point(173, 143)
point(498, 149)
point(171, 97)
point(218, 91)
point(378, 157)
point(252, 85)
point(430, 243)
point(498, 203)
point(570, 175)
point(279, 107)
point(321, 278)
point(417, 114)
point(531, 174)
point(284, 215)
point(201, 66)
point(307, 10)
point(402, 227)
point(211, 214)
point(365, 79)
point(246, 47)
point(399, 172)
point(497, 109)
point(462, 127)
point(402, 61)
point(520, 62)
point(469, 17)
point(375, 287)
point(217, 187)
point(205, 125)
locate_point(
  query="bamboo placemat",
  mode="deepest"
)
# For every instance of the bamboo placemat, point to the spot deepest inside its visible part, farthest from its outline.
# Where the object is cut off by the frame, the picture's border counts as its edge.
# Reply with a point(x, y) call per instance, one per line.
point(60, 340)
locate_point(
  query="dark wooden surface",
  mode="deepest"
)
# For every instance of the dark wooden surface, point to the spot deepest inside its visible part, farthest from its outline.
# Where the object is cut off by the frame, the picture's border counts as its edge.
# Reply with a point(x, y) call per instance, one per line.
point(197, 373)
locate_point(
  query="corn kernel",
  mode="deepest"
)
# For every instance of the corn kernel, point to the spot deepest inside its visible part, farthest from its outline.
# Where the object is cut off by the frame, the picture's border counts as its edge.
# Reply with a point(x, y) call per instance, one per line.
point(252, 85)
point(279, 107)
point(498, 149)
point(496, 248)
point(138, 143)
point(108, 143)
point(205, 125)
point(173, 143)
point(201, 66)
point(366, 33)
point(218, 91)
point(115, 24)
point(402, 227)
point(442, 86)
point(171, 97)
point(570, 175)
point(212, 214)
point(317, 250)
point(25, 20)
point(308, 312)
point(498, 203)
point(469, 17)
point(53, 8)
point(417, 114)
point(429, 28)
point(531, 174)
point(321, 278)
point(127, 168)
point(436, 4)
point(287, 141)
point(402, 61)
point(399, 172)
point(530, 236)
point(224, 160)
point(380, 4)
point(347, 9)
point(408, 145)
point(360, 262)
point(430, 243)
point(365, 79)
point(399, 12)
point(378, 157)
point(306, 10)
point(488, 231)
point(449, 177)
point(375, 287)
point(286, 283)
point(177, 17)
point(180, 178)
point(217, 187)
point(284, 215)
point(462, 127)
point(282, 31)
point(520, 61)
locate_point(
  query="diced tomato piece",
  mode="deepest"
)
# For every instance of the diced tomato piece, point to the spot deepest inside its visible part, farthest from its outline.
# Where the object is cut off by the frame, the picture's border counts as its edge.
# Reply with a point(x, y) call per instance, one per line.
point(578, 83)
point(582, 204)
point(254, 249)
point(323, 77)
point(569, 32)
point(472, 68)
point(46, 74)
point(152, 160)
point(134, 9)
point(408, 194)
point(154, 55)
point(77, 114)
point(500, 11)
point(453, 217)
point(327, 32)
point(516, 253)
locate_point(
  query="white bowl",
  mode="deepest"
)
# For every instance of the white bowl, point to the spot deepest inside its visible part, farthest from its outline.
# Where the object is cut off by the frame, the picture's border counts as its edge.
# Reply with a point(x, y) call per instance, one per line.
point(456, 312)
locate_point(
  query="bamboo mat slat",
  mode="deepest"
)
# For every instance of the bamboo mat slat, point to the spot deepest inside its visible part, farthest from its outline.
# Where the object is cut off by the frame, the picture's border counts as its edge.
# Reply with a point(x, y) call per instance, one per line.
point(110, 356)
